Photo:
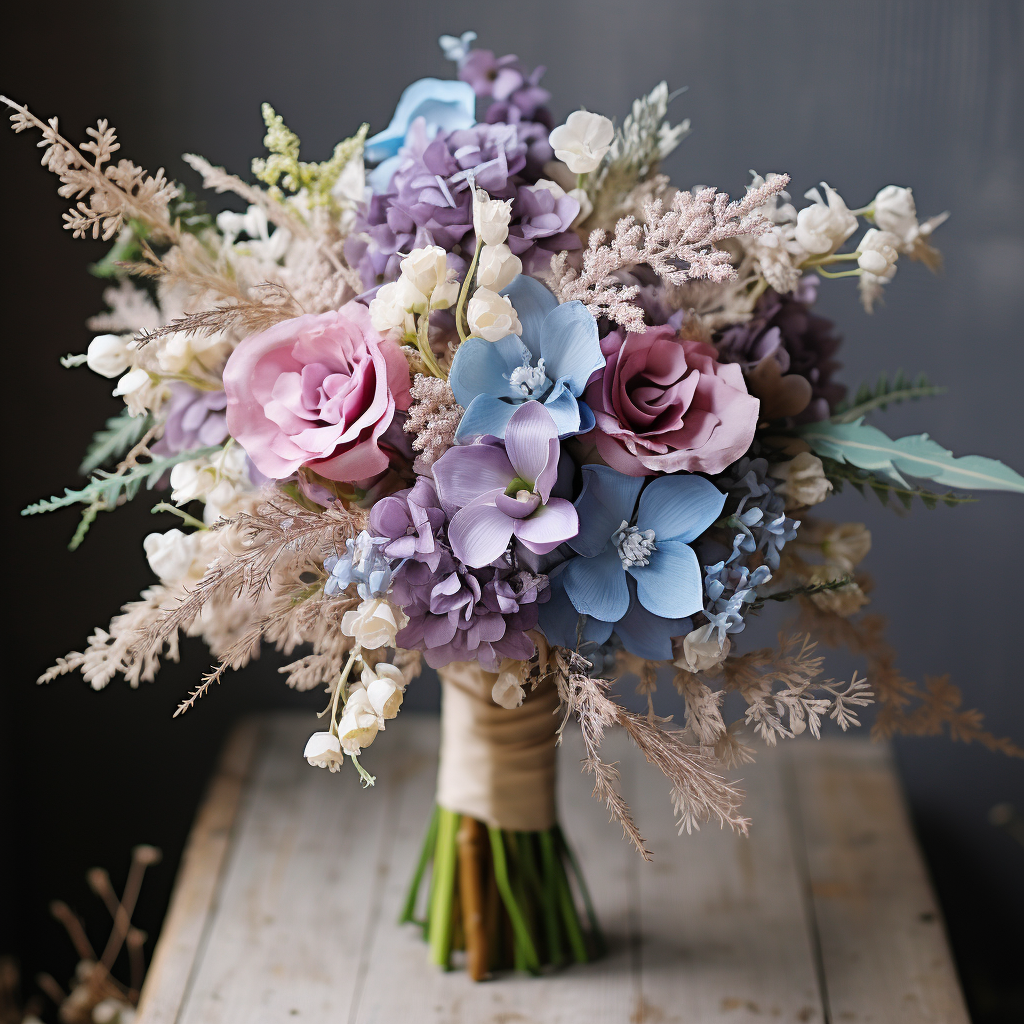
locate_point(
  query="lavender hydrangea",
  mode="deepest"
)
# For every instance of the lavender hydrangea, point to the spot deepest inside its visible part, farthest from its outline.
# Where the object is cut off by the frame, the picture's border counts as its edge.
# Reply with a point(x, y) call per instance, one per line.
point(784, 328)
point(455, 613)
point(195, 419)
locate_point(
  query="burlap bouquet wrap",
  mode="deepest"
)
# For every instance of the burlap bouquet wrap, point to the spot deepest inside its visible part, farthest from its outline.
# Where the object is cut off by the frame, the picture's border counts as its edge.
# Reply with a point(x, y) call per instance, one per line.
point(497, 765)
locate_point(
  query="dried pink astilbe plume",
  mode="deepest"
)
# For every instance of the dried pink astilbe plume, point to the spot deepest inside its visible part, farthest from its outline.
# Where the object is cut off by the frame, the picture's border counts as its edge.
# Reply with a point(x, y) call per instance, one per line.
point(434, 416)
point(678, 244)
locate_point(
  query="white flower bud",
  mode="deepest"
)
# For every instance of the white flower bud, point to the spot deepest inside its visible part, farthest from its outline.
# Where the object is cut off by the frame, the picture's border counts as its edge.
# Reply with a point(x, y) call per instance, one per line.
point(445, 295)
point(491, 316)
point(490, 218)
point(582, 141)
point(375, 623)
point(498, 267)
point(425, 268)
point(323, 750)
point(896, 211)
point(878, 253)
point(171, 554)
point(386, 313)
point(803, 480)
point(359, 724)
point(385, 697)
point(109, 355)
point(131, 381)
point(409, 297)
point(820, 228)
point(508, 691)
point(700, 654)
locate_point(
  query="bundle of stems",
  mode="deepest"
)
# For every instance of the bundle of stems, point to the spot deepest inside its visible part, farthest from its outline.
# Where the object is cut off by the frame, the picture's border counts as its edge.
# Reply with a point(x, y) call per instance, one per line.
point(502, 896)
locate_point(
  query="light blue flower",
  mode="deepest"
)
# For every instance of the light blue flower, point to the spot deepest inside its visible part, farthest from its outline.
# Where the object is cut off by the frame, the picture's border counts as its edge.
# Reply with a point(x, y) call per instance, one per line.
point(444, 104)
point(634, 574)
point(551, 363)
point(361, 563)
point(729, 590)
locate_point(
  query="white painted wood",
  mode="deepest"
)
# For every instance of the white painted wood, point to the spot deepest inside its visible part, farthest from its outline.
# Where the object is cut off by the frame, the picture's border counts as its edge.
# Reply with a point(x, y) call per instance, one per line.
point(298, 920)
point(883, 947)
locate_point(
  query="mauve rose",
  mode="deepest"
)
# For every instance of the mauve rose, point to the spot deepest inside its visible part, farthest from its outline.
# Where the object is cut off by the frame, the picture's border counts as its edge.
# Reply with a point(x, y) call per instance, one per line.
point(317, 391)
point(664, 405)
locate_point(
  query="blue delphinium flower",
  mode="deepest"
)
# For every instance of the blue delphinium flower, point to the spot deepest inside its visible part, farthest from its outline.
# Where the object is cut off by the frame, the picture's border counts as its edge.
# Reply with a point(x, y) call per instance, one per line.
point(634, 573)
point(760, 517)
point(550, 363)
point(443, 104)
point(361, 563)
point(729, 590)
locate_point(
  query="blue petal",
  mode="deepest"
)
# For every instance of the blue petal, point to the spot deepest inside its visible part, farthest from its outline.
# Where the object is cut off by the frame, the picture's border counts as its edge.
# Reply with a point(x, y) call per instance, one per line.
point(570, 346)
point(564, 411)
point(445, 104)
point(532, 302)
point(679, 507)
point(484, 367)
point(647, 635)
point(485, 415)
point(607, 498)
point(670, 585)
point(560, 622)
point(380, 177)
point(587, 419)
point(597, 586)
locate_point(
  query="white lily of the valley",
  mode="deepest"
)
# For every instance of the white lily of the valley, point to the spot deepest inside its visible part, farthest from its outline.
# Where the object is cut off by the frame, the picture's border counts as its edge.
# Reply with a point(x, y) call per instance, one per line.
point(896, 211)
point(879, 251)
point(110, 354)
point(132, 381)
point(359, 723)
point(498, 267)
point(425, 268)
point(822, 227)
point(323, 750)
point(171, 554)
point(374, 624)
point(582, 141)
point(490, 218)
point(492, 316)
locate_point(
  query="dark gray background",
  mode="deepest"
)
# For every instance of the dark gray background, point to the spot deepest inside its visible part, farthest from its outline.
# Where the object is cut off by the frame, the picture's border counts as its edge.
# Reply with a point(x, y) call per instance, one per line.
point(924, 93)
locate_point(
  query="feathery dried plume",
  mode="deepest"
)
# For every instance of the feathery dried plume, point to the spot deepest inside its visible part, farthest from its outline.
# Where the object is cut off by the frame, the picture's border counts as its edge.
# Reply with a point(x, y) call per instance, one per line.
point(434, 416)
point(268, 304)
point(678, 244)
point(116, 192)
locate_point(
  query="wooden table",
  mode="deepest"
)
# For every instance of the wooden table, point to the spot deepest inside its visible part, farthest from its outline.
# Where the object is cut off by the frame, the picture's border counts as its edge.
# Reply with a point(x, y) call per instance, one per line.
point(286, 902)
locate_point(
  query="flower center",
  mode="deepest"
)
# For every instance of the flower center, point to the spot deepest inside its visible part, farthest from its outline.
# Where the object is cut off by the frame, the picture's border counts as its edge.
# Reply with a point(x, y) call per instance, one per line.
point(634, 547)
point(520, 489)
point(529, 379)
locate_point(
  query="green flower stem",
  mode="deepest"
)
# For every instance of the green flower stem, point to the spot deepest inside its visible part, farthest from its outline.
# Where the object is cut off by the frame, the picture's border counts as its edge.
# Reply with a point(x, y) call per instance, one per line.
point(569, 916)
point(566, 850)
point(464, 294)
point(423, 345)
point(409, 907)
point(836, 257)
point(843, 273)
point(524, 944)
point(549, 897)
point(440, 927)
point(187, 520)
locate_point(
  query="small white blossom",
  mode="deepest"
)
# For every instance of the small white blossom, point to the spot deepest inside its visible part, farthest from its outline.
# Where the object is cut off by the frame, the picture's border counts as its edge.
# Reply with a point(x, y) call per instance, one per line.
point(385, 687)
point(375, 623)
point(490, 218)
point(508, 691)
point(822, 227)
point(803, 481)
point(323, 750)
point(444, 295)
point(110, 355)
point(359, 724)
point(498, 267)
point(846, 545)
point(171, 554)
point(177, 352)
point(895, 211)
point(491, 316)
point(387, 315)
point(425, 268)
point(220, 480)
point(878, 253)
point(132, 381)
point(582, 141)
point(702, 653)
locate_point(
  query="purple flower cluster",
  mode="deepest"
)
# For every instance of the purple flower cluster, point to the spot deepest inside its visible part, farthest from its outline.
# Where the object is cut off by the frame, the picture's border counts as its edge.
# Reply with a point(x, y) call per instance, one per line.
point(515, 94)
point(784, 328)
point(195, 419)
point(455, 613)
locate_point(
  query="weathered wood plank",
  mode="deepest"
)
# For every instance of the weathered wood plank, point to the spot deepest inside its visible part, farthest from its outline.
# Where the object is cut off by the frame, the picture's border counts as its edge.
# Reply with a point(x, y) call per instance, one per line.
point(826, 903)
point(883, 948)
point(198, 878)
point(725, 936)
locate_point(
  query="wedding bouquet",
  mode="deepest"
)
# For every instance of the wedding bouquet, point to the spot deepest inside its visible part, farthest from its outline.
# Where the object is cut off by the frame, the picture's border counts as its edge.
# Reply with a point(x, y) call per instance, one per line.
point(495, 395)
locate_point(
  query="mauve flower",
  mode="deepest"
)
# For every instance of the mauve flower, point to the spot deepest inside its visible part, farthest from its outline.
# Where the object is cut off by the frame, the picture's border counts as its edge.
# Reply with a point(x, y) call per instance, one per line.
point(318, 390)
point(501, 492)
point(410, 520)
point(195, 419)
point(664, 405)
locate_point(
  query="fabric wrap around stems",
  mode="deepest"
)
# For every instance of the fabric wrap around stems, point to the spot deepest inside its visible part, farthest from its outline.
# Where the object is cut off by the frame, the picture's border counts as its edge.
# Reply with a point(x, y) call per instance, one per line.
point(497, 765)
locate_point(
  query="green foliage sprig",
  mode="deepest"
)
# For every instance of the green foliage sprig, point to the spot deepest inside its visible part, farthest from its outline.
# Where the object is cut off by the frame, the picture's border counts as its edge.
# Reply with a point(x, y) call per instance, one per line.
point(884, 394)
point(118, 437)
point(863, 480)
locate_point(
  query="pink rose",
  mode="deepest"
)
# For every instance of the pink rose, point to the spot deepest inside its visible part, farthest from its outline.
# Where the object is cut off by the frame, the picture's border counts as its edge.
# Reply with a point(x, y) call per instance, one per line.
point(663, 405)
point(317, 391)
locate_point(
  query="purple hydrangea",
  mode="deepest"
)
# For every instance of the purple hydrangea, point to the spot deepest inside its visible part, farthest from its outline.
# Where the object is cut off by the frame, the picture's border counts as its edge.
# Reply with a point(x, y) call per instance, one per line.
point(429, 198)
point(783, 327)
point(515, 93)
point(195, 419)
point(455, 613)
